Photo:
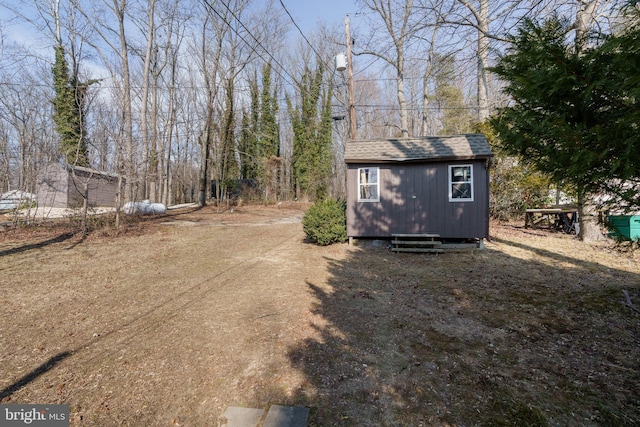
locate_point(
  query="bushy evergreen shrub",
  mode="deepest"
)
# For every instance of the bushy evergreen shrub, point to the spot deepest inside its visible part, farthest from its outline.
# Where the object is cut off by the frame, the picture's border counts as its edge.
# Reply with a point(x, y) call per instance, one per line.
point(325, 222)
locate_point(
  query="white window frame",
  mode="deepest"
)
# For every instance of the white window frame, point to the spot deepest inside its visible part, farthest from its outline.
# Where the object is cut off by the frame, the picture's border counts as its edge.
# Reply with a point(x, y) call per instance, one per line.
point(375, 185)
point(465, 180)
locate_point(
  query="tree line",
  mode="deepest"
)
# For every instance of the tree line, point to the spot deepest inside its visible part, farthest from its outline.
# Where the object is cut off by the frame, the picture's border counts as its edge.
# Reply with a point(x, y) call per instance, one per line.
point(177, 95)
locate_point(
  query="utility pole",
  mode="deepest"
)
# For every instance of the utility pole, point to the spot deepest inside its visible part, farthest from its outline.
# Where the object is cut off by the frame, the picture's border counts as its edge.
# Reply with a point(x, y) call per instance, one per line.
point(352, 106)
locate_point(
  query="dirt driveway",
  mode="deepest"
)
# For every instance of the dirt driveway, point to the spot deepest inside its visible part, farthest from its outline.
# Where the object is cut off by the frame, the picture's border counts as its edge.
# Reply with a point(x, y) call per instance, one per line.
point(181, 316)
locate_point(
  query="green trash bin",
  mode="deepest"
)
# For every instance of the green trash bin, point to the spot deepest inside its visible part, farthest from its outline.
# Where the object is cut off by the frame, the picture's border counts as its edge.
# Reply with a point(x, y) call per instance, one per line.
point(625, 227)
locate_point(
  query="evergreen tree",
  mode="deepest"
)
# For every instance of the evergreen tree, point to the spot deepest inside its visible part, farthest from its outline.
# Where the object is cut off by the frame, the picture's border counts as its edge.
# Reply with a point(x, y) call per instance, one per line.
point(325, 143)
point(311, 120)
point(269, 129)
point(259, 144)
point(68, 105)
point(455, 116)
point(244, 146)
point(269, 134)
point(575, 113)
point(515, 185)
point(228, 171)
point(250, 157)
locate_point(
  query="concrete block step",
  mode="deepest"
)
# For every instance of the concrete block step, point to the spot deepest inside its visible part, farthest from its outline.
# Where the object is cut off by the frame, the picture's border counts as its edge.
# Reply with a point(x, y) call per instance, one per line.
point(236, 416)
point(286, 416)
point(277, 416)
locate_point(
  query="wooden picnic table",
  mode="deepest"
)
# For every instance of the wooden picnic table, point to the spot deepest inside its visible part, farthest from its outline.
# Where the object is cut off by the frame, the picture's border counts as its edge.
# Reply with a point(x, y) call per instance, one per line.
point(561, 218)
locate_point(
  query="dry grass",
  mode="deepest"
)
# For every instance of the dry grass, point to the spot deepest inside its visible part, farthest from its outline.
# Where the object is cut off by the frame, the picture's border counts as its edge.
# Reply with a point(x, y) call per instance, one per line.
point(174, 318)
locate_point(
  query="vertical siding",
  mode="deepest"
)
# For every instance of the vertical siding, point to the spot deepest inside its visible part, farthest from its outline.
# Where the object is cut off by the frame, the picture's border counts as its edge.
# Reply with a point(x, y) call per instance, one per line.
point(52, 188)
point(103, 192)
point(367, 219)
point(59, 188)
point(101, 189)
point(414, 198)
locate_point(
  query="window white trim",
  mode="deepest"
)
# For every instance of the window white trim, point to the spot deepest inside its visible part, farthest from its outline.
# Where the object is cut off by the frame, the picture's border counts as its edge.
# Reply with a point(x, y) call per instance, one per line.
point(461, 183)
point(369, 184)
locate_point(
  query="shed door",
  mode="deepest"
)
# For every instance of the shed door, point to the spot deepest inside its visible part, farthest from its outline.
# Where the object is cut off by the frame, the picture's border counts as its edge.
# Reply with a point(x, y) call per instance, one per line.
point(420, 199)
point(412, 200)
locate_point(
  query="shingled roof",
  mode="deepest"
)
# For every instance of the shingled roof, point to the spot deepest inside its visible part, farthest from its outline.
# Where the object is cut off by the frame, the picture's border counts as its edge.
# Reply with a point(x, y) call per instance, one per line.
point(429, 148)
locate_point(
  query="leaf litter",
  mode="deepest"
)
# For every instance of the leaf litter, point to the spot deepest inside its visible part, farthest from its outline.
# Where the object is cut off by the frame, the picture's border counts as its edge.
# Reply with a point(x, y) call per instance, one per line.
point(176, 317)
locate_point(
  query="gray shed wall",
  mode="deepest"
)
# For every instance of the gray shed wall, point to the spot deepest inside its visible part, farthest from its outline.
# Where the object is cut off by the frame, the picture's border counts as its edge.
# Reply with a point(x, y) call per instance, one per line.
point(414, 198)
point(58, 187)
point(53, 187)
point(102, 189)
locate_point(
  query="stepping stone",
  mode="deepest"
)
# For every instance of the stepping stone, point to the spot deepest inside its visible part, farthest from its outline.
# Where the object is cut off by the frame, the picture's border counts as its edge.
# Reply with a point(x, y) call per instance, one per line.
point(286, 416)
point(236, 416)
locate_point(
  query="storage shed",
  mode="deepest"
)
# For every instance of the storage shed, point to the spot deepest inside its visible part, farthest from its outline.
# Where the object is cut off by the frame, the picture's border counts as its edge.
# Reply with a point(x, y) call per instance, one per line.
point(61, 186)
point(429, 185)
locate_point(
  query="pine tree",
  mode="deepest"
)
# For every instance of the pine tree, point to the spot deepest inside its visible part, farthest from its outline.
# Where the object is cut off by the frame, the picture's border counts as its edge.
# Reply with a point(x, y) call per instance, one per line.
point(575, 111)
point(455, 116)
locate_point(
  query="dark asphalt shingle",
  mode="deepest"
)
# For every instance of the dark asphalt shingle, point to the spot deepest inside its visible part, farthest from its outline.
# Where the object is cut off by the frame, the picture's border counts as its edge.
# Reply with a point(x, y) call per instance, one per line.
point(431, 148)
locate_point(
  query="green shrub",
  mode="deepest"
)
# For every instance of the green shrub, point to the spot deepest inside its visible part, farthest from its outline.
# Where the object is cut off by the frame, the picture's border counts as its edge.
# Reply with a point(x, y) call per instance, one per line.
point(325, 222)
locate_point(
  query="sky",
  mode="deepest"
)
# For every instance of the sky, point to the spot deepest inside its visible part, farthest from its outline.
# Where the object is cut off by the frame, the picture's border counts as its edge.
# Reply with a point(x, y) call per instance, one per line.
point(308, 13)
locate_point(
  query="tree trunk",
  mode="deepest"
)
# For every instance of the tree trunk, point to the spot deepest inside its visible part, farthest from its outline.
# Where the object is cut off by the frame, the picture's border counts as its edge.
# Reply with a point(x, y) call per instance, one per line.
point(396, 21)
point(404, 119)
point(483, 60)
point(144, 128)
point(119, 200)
point(167, 194)
point(131, 152)
point(587, 214)
point(204, 165)
point(426, 77)
point(588, 220)
point(584, 18)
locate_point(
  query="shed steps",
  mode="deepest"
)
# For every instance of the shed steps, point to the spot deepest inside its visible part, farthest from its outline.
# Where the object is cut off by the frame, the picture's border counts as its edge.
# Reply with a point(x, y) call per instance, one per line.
point(416, 243)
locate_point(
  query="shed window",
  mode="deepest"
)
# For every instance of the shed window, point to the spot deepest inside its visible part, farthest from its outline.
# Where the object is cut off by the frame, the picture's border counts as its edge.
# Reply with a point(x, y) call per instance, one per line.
point(368, 185)
point(460, 183)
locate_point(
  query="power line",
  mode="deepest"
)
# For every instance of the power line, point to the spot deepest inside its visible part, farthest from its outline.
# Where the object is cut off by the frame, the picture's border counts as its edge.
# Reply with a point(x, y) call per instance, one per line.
point(252, 36)
point(300, 31)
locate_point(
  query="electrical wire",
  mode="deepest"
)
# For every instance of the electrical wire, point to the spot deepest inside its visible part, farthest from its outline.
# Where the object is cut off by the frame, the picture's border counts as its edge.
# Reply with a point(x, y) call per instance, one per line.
point(300, 31)
point(284, 70)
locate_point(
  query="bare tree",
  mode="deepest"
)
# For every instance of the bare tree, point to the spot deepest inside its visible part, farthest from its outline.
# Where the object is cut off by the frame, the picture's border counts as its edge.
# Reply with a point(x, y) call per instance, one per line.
point(214, 28)
point(150, 154)
point(116, 40)
point(480, 14)
point(395, 16)
point(491, 20)
point(174, 35)
point(27, 141)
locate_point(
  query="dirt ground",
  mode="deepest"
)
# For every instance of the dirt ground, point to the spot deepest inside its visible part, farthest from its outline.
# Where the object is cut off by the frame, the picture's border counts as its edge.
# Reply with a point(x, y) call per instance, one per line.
point(176, 317)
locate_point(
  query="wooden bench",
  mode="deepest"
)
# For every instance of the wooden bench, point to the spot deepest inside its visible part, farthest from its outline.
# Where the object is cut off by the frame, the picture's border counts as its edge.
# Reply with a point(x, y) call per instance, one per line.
point(416, 243)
